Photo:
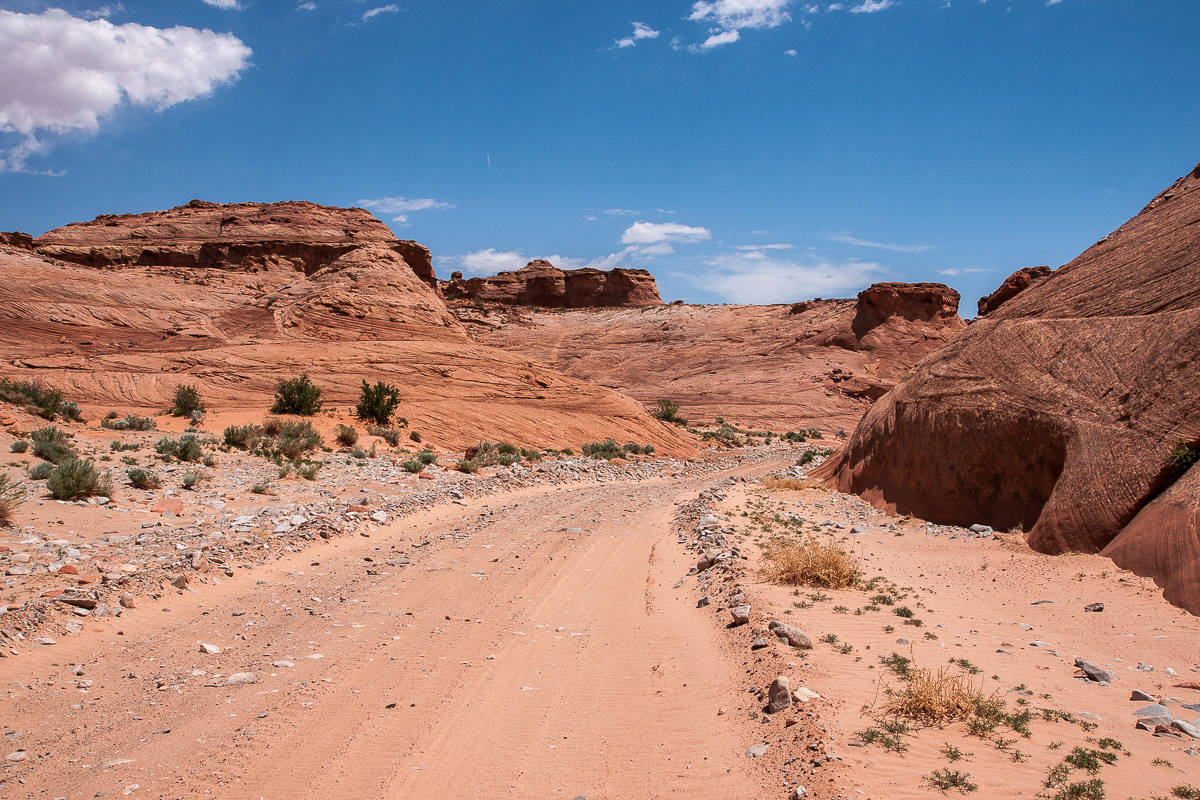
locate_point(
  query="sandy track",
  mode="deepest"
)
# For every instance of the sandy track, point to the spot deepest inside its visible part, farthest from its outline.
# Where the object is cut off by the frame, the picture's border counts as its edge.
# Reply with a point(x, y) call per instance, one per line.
point(603, 681)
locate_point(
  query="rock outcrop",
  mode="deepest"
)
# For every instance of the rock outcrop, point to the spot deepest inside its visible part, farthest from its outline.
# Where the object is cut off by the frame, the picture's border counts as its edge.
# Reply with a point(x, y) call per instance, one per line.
point(540, 283)
point(300, 236)
point(816, 364)
point(1013, 285)
point(1055, 411)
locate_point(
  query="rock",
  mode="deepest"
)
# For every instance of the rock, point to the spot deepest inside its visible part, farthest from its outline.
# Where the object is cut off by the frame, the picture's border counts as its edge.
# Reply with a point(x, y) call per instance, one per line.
point(803, 694)
point(45, 640)
point(67, 569)
point(282, 664)
point(779, 695)
point(741, 614)
point(127, 600)
point(1152, 710)
point(1094, 607)
point(757, 750)
point(199, 562)
point(703, 601)
point(210, 649)
point(791, 634)
point(380, 517)
point(16, 755)
point(1153, 724)
point(1138, 694)
point(540, 283)
point(798, 793)
point(902, 640)
point(759, 643)
point(240, 678)
point(1095, 673)
point(1187, 728)
point(172, 505)
point(180, 582)
point(1013, 285)
point(981, 529)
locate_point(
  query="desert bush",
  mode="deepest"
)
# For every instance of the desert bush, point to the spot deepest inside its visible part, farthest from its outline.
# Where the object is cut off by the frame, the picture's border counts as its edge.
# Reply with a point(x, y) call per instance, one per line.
point(308, 471)
point(531, 455)
point(190, 479)
point(936, 698)
point(667, 411)
point(773, 482)
point(467, 465)
point(11, 496)
point(795, 438)
point(33, 396)
point(132, 422)
point(603, 450)
point(346, 435)
point(187, 401)
point(358, 453)
point(51, 444)
point(41, 471)
point(426, 457)
point(1182, 457)
point(415, 436)
point(262, 487)
point(945, 779)
point(143, 479)
point(377, 403)
point(299, 396)
point(390, 436)
point(505, 449)
point(297, 438)
point(413, 465)
point(19, 446)
point(75, 478)
point(186, 448)
point(810, 563)
point(243, 437)
point(271, 426)
point(507, 459)
point(121, 447)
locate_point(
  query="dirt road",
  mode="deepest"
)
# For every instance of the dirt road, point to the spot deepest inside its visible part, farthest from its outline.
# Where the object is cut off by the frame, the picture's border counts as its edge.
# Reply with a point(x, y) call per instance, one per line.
point(534, 647)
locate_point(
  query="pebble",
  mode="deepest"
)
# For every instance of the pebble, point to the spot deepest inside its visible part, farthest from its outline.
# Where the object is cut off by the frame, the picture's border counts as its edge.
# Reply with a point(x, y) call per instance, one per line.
point(240, 678)
point(703, 601)
point(16, 755)
point(1138, 694)
point(210, 649)
point(798, 793)
point(282, 664)
point(1095, 607)
point(757, 750)
point(1095, 673)
point(759, 643)
point(741, 614)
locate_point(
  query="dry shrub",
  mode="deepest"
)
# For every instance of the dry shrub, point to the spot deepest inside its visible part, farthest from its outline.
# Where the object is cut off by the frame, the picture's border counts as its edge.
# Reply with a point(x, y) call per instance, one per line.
point(811, 563)
point(935, 698)
point(11, 496)
point(772, 482)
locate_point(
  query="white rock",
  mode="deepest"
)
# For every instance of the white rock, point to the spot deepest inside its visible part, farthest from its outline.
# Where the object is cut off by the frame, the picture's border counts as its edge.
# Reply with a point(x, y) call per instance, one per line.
point(380, 516)
point(210, 649)
point(239, 678)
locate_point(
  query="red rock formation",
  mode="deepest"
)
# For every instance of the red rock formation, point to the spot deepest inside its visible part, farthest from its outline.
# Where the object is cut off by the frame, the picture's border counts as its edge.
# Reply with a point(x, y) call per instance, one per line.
point(1013, 285)
point(1055, 411)
point(17, 239)
point(814, 364)
point(540, 283)
point(301, 236)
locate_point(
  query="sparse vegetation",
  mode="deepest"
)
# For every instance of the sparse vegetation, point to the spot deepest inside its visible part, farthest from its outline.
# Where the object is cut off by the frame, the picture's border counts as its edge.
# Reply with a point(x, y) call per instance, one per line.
point(810, 562)
point(143, 479)
point(187, 402)
point(1186, 792)
point(41, 471)
point(413, 465)
point(243, 437)
point(935, 698)
point(190, 479)
point(38, 399)
point(377, 403)
point(298, 396)
point(945, 779)
point(415, 436)
point(131, 422)
point(12, 495)
point(186, 448)
point(389, 435)
point(667, 411)
point(774, 482)
point(75, 478)
point(1182, 457)
point(426, 457)
point(308, 471)
point(51, 444)
point(346, 435)
point(262, 487)
point(19, 446)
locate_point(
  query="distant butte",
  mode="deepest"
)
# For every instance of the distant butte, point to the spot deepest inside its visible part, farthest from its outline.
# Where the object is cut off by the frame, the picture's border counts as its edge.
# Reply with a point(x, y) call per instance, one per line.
point(540, 283)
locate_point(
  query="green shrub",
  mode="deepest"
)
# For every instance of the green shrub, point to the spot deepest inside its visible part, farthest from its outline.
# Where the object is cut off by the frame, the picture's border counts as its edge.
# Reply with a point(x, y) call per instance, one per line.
point(297, 438)
point(507, 459)
point(187, 401)
point(272, 426)
point(308, 471)
point(667, 411)
point(603, 450)
point(377, 403)
point(143, 479)
point(415, 436)
point(467, 465)
point(75, 478)
point(187, 448)
point(51, 444)
point(262, 487)
point(531, 455)
point(346, 435)
point(19, 446)
point(11, 496)
point(944, 779)
point(243, 437)
point(33, 396)
point(41, 471)
point(299, 396)
point(413, 465)
point(132, 422)
point(390, 436)
point(1182, 457)
point(426, 457)
point(190, 480)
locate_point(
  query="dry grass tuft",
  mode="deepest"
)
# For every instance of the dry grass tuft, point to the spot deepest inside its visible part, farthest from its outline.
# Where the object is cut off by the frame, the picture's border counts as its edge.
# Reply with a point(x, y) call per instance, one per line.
point(11, 496)
point(772, 482)
point(811, 563)
point(935, 698)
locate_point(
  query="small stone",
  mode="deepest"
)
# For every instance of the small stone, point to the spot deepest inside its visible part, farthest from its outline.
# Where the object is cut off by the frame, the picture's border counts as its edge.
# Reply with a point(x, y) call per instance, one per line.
point(902, 641)
point(757, 750)
point(759, 643)
point(1143, 697)
point(127, 601)
point(45, 640)
point(181, 582)
point(16, 755)
point(282, 664)
point(798, 793)
point(1093, 672)
point(210, 649)
point(779, 695)
point(1096, 607)
point(741, 614)
point(380, 516)
point(791, 634)
point(703, 601)
point(240, 678)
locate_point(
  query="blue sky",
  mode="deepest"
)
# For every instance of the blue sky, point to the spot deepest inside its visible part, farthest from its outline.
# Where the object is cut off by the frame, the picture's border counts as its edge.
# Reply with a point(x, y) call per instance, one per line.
point(741, 150)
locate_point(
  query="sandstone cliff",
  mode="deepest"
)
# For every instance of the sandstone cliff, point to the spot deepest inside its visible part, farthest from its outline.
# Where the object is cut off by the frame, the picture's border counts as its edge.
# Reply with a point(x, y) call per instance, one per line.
point(540, 283)
point(1055, 411)
point(814, 364)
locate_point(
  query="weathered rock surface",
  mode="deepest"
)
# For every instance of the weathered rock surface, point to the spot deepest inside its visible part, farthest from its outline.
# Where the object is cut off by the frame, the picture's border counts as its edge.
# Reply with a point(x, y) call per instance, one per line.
point(540, 283)
point(1055, 411)
point(1013, 285)
point(820, 363)
point(779, 695)
point(791, 634)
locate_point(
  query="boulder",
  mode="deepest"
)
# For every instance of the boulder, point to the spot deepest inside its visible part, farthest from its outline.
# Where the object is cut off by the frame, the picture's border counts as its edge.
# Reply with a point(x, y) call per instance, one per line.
point(779, 695)
point(791, 634)
point(741, 614)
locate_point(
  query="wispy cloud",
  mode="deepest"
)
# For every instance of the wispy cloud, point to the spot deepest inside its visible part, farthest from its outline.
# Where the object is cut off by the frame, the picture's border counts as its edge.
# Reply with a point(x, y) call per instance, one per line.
point(619, 212)
point(640, 31)
point(103, 12)
point(764, 247)
point(754, 277)
point(228, 5)
point(307, 7)
point(402, 206)
point(961, 271)
point(390, 8)
point(654, 232)
point(490, 261)
point(869, 6)
point(846, 238)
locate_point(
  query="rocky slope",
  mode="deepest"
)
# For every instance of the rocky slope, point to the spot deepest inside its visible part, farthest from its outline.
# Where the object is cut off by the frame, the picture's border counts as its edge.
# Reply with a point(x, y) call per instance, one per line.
point(339, 301)
point(814, 364)
point(540, 283)
point(1055, 411)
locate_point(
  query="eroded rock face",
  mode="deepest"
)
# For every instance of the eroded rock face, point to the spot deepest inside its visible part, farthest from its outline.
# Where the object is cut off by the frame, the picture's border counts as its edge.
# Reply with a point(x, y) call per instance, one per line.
point(817, 364)
point(300, 236)
point(1013, 285)
point(1055, 411)
point(540, 283)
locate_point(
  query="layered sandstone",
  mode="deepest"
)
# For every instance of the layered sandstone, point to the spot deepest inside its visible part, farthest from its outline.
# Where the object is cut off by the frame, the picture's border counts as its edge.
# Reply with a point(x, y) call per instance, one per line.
point(814, 364)
point(540, 283)
point(1055, 411)
point(1013, 285)
point(300, 236)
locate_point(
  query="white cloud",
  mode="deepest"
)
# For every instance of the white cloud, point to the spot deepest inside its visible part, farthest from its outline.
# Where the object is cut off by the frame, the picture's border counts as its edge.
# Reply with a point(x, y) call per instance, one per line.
point(640, 31)
point(756, 278)
point(491, 261)
point(641, 233)
point(789, 52)
point(718, 39)
point(103, 12)
point(618, 212)
point(735, 14)
point(307, 7)
point(961, 271)
point(899, 248)
point(764, 247)
point(401, 206)
point(228, 5)
point(63, 73)
point(868, 6)
point(390, 8)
